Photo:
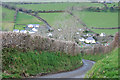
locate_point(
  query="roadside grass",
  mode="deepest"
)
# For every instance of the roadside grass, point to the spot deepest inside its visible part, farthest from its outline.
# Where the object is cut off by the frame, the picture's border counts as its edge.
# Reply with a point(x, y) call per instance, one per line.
point(100, 19)
point(105, 67)
point(18, 64)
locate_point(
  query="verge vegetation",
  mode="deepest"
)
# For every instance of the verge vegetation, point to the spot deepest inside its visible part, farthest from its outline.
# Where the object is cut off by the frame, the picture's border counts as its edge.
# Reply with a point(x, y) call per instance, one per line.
point(18, 64)
point(106, 65)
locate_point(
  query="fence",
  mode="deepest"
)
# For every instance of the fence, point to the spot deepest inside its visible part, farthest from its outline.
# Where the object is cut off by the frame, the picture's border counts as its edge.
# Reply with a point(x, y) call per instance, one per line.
point(39, 43)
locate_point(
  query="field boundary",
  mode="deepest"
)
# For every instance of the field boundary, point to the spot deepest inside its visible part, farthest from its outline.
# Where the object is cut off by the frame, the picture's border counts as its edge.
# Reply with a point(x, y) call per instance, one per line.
point(26, 11)
point(40, 43)
point(106, 28)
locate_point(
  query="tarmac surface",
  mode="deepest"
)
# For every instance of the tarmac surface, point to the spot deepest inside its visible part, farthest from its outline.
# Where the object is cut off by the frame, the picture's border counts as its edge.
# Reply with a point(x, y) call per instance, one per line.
point(78, 73)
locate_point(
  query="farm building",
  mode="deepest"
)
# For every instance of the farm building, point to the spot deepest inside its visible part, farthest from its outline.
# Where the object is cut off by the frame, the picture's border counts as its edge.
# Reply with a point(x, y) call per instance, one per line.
point(81, 39)
point(16, 30)
point(33, 25)
point(77, 33)
point(90, 40)
point(49, 35)
point(30, 25)
point(31, 32)
point(23, 31)
point(89, 34)
point(35, 29)
point(102, 34)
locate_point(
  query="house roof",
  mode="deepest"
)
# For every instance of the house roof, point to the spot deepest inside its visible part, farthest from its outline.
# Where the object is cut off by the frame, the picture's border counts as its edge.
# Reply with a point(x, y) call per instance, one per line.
point(90, 38)
point(28, 28)
point(34, 25)
point(22, 30)
point(15, 30)
point(81, 38)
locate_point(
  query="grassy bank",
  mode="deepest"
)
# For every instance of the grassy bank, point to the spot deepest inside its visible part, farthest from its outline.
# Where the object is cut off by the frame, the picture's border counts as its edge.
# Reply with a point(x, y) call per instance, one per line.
point(105, 67)
point(17, 64)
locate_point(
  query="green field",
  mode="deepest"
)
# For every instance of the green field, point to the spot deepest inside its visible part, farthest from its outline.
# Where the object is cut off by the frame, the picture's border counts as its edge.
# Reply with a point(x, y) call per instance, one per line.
point(99, 19)
point(23, 18)
point(7, 19)
point(92, 19)
point(57, 6)
point(106, 65)
point(8, 15)
point(54, 18)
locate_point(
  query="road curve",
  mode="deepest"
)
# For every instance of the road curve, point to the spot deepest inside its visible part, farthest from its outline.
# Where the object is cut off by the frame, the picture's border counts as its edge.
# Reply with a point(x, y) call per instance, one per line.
point(78, 73)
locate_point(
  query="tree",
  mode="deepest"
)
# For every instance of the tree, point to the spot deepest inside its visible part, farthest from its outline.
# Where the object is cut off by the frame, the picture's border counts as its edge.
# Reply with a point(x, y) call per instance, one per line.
point(111, 9)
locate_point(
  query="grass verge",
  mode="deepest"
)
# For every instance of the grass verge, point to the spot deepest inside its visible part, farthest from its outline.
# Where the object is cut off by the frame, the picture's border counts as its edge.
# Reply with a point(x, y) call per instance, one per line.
point(17, 64)
point(105, 67)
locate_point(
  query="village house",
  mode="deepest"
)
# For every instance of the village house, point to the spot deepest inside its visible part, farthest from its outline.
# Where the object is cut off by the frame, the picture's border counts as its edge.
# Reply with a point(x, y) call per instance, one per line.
point(31, 32)
point(89, 34)
point(90, 40)
point(35, 29)
point(23, 31)
point(32, 28)
point(30, 25)
point(16, 30)
point(81, 39)
point(102, 34)
point(77, 33)
point(49, 35)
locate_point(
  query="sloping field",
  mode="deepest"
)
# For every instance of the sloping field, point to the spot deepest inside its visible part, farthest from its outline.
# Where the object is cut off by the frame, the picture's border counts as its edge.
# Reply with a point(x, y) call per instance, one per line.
point(100, 19)
point(23, 18)
point(57, 6)
point(53, 18)
point(7, 26)
point(7, 15)
point(106, 67)
point(7, 19)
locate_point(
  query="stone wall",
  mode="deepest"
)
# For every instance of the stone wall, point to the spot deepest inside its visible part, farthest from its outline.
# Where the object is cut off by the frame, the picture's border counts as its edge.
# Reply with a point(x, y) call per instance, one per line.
point(39, 43)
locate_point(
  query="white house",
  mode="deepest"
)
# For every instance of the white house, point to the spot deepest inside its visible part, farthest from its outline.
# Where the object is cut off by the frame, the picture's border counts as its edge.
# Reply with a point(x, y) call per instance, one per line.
point(23, 31)
point(31, 32)
point(77, 33)
point(35, 29)
point(81, 39)
point(16, 30)
point(59, 29)
point(102, 34)
point(90, 40)
point(37, 25)
point(30, 25)
point(49, 34)
point(89, 34)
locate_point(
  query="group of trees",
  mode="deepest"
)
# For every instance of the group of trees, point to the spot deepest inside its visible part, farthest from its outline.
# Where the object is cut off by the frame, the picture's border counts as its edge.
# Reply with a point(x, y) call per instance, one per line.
point(103, 9)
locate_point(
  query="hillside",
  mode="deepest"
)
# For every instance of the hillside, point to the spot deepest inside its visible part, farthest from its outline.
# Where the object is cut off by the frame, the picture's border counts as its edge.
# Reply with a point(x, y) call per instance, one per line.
point(106, 67)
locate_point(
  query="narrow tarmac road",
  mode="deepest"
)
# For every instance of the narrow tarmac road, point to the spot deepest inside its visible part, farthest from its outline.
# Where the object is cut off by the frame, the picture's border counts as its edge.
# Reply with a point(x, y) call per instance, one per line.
point(78, 73)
